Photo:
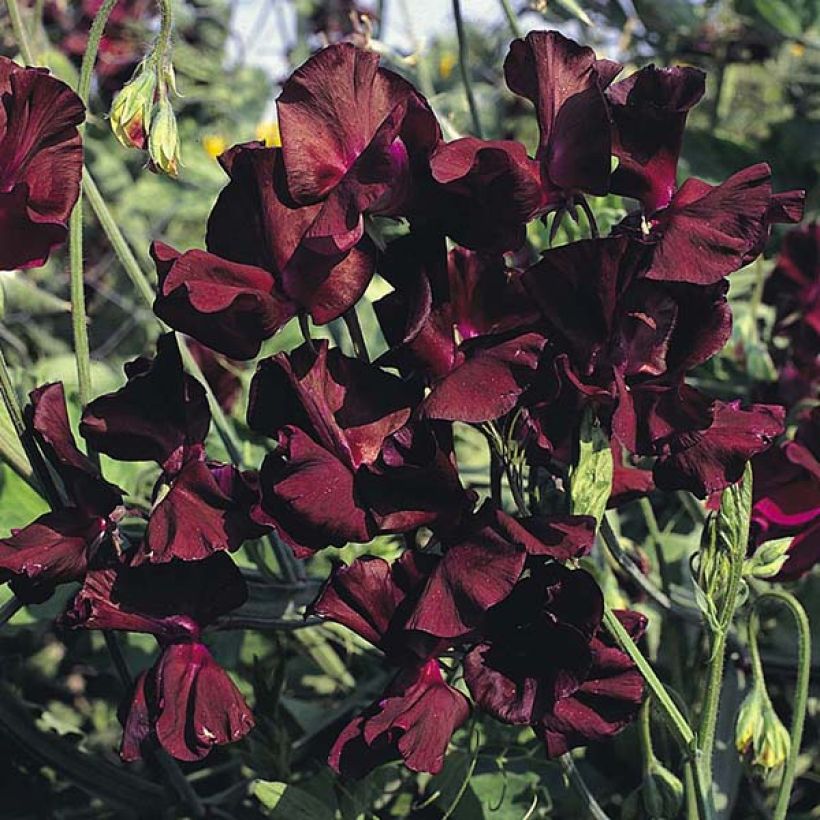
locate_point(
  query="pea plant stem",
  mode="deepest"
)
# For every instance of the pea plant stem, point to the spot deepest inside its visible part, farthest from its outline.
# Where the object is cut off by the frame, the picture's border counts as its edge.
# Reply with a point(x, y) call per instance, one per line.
point(20, 33)
point(464, 68)
point(801, 693)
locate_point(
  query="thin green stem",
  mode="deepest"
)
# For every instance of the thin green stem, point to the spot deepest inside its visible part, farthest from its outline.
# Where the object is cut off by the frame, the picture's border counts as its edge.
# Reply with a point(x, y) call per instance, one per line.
point(707, 728)
point(512, 18)
point(464, 67)
point(801, 692)
point(118, 242)
point(656, 537)
point(678, 725)
point(79, 319)
point(578, 783)
point(645, 734)
point(20, 33)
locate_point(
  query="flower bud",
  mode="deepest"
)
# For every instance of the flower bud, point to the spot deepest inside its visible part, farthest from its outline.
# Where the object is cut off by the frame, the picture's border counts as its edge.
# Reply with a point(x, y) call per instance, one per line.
point(131, 110)
point(163, 139)
point(759, 733)
point(768, 558)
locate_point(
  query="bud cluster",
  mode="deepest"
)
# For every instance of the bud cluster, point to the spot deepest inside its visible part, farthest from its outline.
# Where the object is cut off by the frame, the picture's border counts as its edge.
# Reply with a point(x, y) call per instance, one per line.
point(142, 116)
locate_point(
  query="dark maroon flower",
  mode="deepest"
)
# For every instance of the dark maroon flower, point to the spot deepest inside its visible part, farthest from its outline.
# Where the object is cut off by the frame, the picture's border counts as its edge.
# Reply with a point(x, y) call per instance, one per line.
point(459, 324)
point(345, 465)
point(794, 289)
point(474, 176)
point(787, 497)
point(58, 546)
point(649, 111)
point(40, 163)
point(418, 712)
point(710, 460)
point(565, 82)
point(708, 231)
point(185, 700)
point(616, 333)
point(161, 414)
point(260, 268)
point(354, 136)
point(188, 702)
point(414, 719)
point(605, 702)
point(541, 660)
point(482, 561)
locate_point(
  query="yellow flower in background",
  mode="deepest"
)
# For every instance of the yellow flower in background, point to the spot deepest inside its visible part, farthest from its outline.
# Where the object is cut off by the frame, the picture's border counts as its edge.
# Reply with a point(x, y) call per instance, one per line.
point(446, 64)
point(214, 145)
point(797, 49)
point(268, 132)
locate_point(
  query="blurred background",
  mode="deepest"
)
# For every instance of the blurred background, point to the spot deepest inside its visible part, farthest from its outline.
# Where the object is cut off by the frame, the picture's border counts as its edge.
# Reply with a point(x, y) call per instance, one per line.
point(762, 59)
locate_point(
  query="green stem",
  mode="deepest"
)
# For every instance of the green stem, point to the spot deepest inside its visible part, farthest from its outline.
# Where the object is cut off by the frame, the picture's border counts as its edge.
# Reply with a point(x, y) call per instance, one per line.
point(20, 33)
point(801, 693)
point(118, 242)
point(463, 64)
point(512, 19)
point(79, 321)
point(581, 789)
point(681, 730)
point(645, 734)
point(714, 683)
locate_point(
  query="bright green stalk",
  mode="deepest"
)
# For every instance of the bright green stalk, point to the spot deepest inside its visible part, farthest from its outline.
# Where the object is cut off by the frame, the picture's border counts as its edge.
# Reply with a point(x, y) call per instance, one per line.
point(512, 19)
point(463, 64)
point(801, 693)
point(20, 34)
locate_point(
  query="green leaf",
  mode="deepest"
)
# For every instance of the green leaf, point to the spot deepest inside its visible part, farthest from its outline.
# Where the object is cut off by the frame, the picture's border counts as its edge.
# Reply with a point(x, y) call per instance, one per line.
point(289, 803)
point(19, 503)
point(780, 15)
point(574, 8)
point(590, 478)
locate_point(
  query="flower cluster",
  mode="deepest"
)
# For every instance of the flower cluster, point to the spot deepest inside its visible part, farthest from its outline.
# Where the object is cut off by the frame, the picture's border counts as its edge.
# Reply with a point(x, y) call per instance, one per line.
point(477, 334)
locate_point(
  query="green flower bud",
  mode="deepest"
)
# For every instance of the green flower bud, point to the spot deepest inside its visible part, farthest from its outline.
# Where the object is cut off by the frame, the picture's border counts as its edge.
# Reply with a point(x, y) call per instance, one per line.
point(662, 793)
point(749, 720)
point(768, 558)
point(163, 139)
point(759, 733)
point(773, 747)
point(131, 110)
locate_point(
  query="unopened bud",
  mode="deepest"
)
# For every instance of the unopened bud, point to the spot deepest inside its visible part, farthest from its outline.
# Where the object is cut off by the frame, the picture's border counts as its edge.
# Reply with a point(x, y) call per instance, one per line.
point(760, 734)
point(768, 558)
point(163, 139)
point(131, 110)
